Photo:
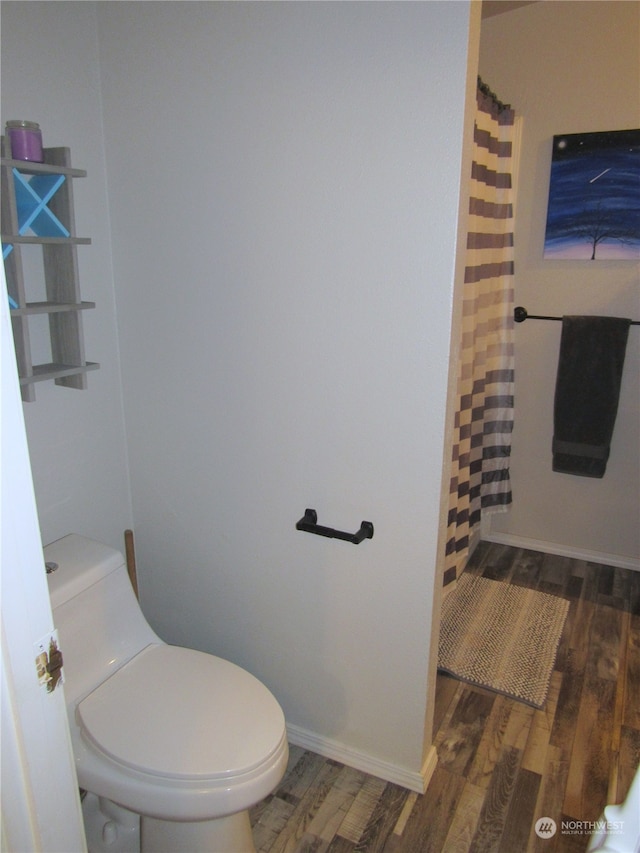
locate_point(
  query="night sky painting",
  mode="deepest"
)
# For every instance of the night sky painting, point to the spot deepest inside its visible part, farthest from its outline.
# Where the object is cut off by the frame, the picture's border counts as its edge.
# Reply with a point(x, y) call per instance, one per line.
point(594, 197)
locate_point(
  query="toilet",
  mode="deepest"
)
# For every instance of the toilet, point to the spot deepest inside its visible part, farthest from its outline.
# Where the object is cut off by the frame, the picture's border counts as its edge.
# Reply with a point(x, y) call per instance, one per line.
point(173, 746)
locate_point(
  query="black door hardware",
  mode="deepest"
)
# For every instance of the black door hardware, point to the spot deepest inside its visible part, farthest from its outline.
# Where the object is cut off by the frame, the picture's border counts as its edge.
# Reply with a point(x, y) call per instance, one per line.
point(309, 524)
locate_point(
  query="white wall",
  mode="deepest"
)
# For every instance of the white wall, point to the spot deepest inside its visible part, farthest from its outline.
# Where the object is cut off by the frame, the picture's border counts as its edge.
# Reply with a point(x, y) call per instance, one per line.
point(283, 184)
point(567, 68)
point(284, 196)
point(76, 438)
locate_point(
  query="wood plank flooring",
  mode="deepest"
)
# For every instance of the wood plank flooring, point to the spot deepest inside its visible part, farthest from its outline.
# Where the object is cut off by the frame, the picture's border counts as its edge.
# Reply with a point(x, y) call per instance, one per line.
point(501, 764)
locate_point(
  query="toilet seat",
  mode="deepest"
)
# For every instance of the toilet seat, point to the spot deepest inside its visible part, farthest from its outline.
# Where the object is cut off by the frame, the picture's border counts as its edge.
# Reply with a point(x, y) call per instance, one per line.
point(185, 715)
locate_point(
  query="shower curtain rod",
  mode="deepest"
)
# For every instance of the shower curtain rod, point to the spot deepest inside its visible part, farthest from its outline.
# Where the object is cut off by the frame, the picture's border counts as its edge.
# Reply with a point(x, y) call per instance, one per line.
point(521, 314)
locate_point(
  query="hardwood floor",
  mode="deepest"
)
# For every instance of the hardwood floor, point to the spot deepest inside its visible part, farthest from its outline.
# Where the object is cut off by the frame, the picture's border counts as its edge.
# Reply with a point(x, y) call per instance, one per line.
point(502, 765)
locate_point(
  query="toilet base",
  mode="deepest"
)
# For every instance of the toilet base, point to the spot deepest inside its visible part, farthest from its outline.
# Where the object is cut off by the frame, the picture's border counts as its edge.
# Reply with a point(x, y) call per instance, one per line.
point(109, 828)
point(231, 834)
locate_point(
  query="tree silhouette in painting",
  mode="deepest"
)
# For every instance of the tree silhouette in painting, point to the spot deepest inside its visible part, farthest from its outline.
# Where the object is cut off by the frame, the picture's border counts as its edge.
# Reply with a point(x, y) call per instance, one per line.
point(599, 225)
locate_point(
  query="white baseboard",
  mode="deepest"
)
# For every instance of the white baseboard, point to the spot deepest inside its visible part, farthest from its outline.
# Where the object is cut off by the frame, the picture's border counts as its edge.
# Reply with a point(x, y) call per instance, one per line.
point(563, 550)
point(329, 748)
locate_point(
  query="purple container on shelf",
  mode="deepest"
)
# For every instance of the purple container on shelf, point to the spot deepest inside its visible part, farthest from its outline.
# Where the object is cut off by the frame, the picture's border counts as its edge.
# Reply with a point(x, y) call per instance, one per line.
point(25, 139)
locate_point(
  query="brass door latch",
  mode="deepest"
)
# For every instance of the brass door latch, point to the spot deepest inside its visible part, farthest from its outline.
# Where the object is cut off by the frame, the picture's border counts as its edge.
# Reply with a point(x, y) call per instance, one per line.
point(49, 662)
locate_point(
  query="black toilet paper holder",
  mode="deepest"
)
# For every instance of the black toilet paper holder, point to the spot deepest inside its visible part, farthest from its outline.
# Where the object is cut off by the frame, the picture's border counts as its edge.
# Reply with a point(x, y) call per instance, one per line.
point(309, 524)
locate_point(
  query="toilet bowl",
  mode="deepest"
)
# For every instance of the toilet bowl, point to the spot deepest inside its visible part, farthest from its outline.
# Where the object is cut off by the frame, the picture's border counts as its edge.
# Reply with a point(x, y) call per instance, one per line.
point(185, 740)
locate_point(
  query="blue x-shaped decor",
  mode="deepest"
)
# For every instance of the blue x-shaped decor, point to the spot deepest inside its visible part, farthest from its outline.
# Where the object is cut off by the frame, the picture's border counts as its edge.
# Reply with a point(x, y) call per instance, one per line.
point(33, 193)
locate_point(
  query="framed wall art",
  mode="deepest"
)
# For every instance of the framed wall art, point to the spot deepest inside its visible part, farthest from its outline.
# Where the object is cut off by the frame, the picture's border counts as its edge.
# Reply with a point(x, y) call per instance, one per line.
point(594, 197)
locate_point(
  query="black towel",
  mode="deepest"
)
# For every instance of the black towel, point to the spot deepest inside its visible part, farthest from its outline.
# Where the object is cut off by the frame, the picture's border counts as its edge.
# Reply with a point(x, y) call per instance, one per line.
point(590, 367)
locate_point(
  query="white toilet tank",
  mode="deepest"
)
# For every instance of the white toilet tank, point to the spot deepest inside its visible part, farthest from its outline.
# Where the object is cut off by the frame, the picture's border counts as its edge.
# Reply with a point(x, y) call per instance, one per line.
point(100, 624)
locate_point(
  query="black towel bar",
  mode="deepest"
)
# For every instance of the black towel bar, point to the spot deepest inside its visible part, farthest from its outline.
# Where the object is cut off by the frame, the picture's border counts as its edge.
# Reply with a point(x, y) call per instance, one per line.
point(308, 524)
point(521, 314)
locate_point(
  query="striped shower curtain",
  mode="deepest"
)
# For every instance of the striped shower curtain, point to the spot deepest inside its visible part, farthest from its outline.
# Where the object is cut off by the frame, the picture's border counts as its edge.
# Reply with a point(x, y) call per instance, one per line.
point(480, 481)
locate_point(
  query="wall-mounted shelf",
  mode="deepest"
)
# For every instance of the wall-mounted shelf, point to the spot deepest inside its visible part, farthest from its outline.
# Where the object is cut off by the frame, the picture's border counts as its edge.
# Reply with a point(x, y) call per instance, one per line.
point(10, 239)
point(37, 210)
point(48, 308)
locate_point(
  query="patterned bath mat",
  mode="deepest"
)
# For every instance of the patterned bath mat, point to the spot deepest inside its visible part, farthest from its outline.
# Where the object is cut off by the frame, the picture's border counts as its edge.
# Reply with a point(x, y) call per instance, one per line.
point(502, 637)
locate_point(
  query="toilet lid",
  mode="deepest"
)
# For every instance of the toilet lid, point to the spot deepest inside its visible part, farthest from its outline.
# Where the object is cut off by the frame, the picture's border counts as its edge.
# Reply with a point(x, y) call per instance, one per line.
point(180, 713)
